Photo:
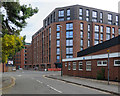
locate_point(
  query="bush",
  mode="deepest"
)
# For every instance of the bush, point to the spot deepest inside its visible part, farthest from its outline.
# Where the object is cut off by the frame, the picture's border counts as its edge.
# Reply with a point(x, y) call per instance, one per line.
point(101, 74)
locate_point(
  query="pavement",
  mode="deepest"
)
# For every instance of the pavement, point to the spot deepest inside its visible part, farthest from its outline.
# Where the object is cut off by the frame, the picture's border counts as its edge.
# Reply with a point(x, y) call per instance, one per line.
point(7, 82)
point(113, 87)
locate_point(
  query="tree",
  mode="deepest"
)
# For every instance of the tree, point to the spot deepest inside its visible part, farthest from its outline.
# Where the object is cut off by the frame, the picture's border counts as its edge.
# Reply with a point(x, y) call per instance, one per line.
point(14, 18)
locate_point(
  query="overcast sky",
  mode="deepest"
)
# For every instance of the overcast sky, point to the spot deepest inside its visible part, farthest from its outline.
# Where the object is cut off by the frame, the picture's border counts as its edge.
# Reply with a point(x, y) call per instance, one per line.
point(47, 6)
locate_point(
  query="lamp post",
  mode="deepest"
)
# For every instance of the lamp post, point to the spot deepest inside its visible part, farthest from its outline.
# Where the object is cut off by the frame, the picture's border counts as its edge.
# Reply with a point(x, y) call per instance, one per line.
point(61, 47)
point(108, 65)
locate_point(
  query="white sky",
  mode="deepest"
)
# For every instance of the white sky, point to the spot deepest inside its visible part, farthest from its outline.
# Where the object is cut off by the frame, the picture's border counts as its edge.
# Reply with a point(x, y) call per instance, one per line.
point(47, 6)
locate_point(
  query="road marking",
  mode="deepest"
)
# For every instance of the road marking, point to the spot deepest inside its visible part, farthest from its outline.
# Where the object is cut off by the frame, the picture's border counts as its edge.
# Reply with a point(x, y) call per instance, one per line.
point(39, 81)
point(19, 75)
point(54, 88)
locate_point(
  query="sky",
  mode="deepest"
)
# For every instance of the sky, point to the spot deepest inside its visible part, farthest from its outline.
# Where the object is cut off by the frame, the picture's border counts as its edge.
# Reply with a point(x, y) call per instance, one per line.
point(47, 6)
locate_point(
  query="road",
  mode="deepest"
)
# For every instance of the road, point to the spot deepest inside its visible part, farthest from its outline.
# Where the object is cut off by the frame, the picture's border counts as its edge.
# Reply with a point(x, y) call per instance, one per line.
point(34, 82)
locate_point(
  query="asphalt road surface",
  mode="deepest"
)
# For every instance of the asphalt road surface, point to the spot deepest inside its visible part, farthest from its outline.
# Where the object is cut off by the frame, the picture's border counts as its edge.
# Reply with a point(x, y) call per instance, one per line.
point(34, 82)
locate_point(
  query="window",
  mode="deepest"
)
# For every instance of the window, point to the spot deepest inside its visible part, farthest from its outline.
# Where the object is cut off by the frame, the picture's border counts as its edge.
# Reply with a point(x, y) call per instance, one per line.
point(69, 26)
point(58, 51)
point(81, 42)
point(80, 11)
point(107, 29)
point(80, 18)
point(81, 48)
point(81, 26)
point(69, 67)
point(88, 66)
point(110, 17)
point(88, 43)
point(87, 19)
point(68, 18)
point(101, 36)
point(61, 19)
point(58, 35)
point(101, 15)
point(107, 36)
point(96, 42)
point(58, 28)
point(61, 13)
point(101, 28)
point(88, 27)
point(81, 34)
point(58, 43)
point(88, 35)
point(74, 65)
point(69, 34)
point(58, 57)
point(116, 62)
point(97, 36)
point(68, 12)
point(69, 42)
point(113, 30)
point(80, 66)
point(94, 14)
point(119, 31)
point(94, 20)
point(87, 12)
point(69, 56)
point(116, 18)
point(113, 35)
point(66, 64)
point(102, 63)
point(96, 28)
point(69, 50)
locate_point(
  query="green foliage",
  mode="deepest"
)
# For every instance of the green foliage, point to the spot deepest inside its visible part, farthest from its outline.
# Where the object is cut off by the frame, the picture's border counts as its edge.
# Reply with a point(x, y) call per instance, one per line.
point(101, 74)
point(12, 23)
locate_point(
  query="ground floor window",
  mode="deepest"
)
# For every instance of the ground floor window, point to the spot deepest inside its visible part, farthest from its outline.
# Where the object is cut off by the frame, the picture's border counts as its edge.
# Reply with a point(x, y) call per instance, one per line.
point(102, 63)
point(66, 64)
point(74, 65)
point(80, 66)
point(117, 62)
point(69, 66)
point(88, 66)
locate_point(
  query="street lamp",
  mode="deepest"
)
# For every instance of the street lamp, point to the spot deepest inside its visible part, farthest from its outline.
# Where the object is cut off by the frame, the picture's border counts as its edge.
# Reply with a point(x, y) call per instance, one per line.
point(108, 65)
point(61, 47)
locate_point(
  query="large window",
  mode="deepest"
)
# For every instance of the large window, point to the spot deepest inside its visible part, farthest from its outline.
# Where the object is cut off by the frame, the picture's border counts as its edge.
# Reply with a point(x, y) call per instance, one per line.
point(74, 65)
point(61, 19)
point(117, 62)
point(81, 34)
point(88, 43)
point(102, 63)
point(97, 36)
point(69, 34)
point(107, 36)
point(88, 66)
point(68, 12)
point(113, 30)
point(101, 36)
point(69, 50)
point(61, 13)
point(117, 20)
point(81, 42)
point(109, 18)
point(69, 26)
point(88, 27)
point(69, 42)
point(96, 42)
point(80, 66)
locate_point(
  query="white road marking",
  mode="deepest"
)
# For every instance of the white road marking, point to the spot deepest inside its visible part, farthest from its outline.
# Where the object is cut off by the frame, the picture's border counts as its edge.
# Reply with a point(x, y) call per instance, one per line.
point(54, 89)
point(39, 81)
point(19, 75)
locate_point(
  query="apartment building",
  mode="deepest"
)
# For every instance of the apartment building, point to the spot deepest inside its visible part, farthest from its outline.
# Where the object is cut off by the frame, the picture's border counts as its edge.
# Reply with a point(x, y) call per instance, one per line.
point(72, 29)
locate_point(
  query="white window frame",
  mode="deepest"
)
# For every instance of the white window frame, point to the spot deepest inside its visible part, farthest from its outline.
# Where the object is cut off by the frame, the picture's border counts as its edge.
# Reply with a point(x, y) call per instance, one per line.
point(116, 64)
point(74, 65)
point(101, 63)
point(80, 63)
point(88, 63)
